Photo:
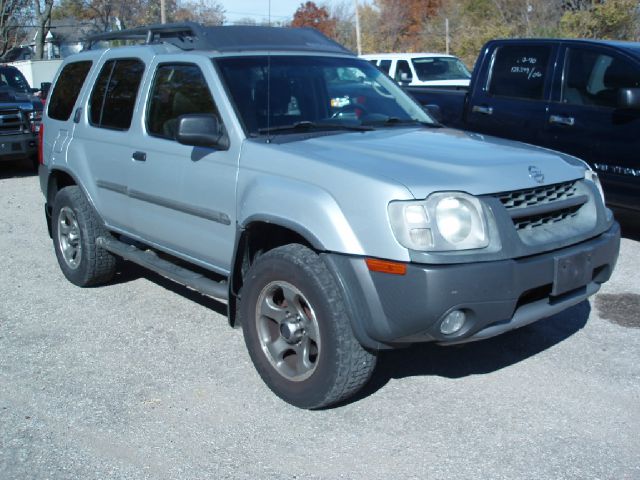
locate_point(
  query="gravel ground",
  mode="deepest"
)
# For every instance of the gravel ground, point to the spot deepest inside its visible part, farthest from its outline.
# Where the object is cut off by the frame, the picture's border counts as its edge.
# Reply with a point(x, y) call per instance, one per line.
point(144, 379)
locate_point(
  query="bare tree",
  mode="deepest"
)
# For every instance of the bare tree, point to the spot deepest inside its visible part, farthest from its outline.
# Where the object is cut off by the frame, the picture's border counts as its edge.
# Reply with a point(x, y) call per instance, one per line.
point(43, 18)
point(12, 13)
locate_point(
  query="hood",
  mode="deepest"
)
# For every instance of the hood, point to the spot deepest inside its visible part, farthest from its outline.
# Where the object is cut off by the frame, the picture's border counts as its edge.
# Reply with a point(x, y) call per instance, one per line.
point(10, 98)
point(426, 160)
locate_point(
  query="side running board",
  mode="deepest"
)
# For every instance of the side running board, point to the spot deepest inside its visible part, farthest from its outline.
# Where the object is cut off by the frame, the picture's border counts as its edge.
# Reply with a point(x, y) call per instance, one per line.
point(152, 261)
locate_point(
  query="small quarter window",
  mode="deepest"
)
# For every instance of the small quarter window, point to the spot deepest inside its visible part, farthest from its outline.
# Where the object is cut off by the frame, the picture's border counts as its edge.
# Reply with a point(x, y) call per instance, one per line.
point(114, 94)
point(178, 89)
point(520, 72)
point(67, 89)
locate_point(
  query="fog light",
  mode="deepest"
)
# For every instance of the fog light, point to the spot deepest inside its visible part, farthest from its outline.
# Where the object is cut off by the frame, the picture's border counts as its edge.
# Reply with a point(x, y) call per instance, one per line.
point(453, 322)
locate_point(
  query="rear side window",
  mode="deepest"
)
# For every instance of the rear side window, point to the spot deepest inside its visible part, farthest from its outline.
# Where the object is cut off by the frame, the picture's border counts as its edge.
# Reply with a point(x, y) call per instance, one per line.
point(520, 71)
point(177, 90)
point(67, 89)
point(114, 94)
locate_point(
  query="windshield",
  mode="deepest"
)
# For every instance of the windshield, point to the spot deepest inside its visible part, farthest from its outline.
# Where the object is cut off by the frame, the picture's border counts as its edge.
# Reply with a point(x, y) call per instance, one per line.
point(315, 92)
point(11, 78)
point(440, 68)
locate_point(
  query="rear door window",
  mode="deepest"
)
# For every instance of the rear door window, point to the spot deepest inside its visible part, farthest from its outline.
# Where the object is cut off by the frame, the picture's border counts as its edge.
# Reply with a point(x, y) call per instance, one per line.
point(67, 89)
point(114, 94)
point(520, 72)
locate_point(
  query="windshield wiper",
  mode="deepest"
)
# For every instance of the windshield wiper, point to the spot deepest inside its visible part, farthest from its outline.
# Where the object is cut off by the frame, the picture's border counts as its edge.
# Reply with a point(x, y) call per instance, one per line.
point(395, 121)
point(306, 125)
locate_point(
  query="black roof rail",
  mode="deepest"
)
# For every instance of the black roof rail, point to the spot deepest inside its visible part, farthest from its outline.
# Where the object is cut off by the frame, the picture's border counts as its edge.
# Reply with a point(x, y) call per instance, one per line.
point(194, 36)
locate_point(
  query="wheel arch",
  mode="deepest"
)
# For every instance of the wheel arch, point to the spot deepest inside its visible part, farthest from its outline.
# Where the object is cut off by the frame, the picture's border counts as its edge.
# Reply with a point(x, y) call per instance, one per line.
point(258, 235)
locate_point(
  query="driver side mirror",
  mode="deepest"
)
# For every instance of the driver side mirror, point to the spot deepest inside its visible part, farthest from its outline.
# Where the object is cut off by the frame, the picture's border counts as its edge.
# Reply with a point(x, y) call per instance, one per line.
point(201, 130)
point(629, 98)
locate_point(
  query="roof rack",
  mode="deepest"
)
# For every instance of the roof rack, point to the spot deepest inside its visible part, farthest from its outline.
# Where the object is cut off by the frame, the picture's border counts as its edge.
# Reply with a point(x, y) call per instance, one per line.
point(194, 36)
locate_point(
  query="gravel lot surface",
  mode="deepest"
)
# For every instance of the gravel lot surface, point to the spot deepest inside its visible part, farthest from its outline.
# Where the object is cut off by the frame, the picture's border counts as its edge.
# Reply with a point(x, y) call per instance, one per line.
point(144, 379)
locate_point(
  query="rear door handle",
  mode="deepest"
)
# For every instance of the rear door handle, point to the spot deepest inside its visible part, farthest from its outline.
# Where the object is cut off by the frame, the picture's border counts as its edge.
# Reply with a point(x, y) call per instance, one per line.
point(77, 115)
point(485, 110)
point(140, 156)
point(560, 120)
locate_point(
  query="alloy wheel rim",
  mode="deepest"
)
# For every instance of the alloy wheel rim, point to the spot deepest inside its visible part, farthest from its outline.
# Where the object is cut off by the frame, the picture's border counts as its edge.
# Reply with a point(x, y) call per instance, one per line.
point(288, 330)
point(69, 237)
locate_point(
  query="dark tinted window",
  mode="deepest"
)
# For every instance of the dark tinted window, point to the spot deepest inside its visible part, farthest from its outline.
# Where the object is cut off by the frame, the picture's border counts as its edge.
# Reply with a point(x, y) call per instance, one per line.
point(520, 71)
point(385, 65)
point(594, 78)
point(114, 94)
point(177, 90)
point(67, 89)
point(11, 78)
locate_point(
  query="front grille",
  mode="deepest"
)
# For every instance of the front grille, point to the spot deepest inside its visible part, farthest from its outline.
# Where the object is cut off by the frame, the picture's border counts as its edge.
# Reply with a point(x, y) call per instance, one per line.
point(536, 196)
point(12, 121)
point(546, 219)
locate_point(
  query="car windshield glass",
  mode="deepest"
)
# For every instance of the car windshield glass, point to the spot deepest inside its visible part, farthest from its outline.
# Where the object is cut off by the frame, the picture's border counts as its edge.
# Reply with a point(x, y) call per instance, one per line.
point(12, 79)
point(319, 93)
point(440, 68)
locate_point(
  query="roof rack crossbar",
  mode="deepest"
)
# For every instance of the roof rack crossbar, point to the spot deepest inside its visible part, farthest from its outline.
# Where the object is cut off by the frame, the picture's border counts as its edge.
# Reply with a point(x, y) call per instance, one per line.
point(185, 35)
point(194, 36)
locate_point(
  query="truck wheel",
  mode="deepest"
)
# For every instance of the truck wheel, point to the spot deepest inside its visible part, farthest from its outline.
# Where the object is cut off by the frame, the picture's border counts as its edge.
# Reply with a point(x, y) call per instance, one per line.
point(76, 227)
point(297, 330)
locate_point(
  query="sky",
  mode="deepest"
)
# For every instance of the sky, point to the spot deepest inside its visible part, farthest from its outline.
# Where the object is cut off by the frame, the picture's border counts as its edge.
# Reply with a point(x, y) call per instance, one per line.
point(259, 9)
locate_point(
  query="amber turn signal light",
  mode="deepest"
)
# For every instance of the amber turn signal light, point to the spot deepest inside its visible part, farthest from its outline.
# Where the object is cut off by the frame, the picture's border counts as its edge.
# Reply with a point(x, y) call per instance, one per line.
point(386, 266)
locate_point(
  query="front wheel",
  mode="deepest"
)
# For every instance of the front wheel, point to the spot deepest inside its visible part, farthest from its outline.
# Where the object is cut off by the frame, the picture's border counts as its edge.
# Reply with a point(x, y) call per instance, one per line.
point(297, 330)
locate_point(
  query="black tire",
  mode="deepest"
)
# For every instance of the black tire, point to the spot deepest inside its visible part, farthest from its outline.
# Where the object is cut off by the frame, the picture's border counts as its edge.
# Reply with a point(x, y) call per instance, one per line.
point(332, 366)
point(76, 226)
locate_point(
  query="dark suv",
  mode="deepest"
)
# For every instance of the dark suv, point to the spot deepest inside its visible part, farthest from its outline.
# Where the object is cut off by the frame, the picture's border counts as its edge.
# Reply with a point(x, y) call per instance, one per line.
point(20, 115)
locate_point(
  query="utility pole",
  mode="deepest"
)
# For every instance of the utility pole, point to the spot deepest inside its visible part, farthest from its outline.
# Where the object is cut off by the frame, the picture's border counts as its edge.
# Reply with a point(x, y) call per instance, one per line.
point(163, 11)
point(358, 41)
point(446, 34)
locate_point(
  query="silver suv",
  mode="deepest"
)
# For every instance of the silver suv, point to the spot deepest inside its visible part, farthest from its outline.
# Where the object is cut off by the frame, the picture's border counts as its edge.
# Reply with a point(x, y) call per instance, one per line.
point(273, 169)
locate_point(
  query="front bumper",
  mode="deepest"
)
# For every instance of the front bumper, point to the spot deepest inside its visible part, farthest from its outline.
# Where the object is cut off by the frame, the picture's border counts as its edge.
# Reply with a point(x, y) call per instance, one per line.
point(18, 146)
point(498, 296)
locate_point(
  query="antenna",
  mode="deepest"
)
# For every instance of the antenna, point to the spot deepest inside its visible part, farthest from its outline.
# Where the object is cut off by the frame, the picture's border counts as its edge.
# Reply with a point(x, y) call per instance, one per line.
point(269, 83)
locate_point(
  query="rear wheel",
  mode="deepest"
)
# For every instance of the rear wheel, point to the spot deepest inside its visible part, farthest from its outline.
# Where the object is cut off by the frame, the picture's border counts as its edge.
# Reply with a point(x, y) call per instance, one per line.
point(297, 330)
point(76, 227)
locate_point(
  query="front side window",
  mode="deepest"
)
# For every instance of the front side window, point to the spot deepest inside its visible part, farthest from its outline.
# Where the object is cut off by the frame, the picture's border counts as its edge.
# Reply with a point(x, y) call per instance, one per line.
point(440, 68)
point(520, 72)
point(178, 89)
point(114, 94)
point(67, 88)
point(594, 78)
point(327, 92)
point(403, 71)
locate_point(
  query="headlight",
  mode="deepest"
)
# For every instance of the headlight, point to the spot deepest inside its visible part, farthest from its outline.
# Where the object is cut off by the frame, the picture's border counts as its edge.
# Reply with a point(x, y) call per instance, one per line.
point(593, 177)
point(445, 221)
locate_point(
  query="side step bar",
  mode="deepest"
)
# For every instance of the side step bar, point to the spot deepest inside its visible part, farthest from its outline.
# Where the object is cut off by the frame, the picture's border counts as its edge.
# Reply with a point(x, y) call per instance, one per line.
point(181, 275)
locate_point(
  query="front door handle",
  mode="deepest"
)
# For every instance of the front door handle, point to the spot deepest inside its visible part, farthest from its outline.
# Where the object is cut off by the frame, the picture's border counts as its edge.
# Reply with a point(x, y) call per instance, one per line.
point(560, 120)
point(484, 109)
point(139, 156)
